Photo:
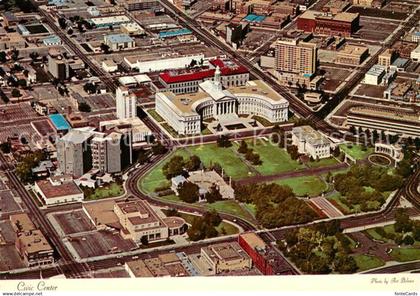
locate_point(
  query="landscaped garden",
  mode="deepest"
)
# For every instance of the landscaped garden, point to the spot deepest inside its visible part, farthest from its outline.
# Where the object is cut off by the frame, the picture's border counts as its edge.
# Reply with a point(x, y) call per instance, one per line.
point(107, 191)
point(366, 262)
point(357, 152)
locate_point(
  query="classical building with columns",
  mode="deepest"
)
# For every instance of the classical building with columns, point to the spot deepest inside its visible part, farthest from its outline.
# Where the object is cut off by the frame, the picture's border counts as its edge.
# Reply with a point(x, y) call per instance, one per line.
point(185, 112)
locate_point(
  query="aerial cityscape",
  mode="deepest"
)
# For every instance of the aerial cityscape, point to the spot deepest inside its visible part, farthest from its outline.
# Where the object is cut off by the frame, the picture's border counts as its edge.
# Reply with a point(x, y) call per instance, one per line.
point(200, 138)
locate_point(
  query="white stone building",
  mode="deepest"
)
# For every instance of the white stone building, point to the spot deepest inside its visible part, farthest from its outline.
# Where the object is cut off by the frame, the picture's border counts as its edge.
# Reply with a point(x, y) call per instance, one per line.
point(311, 142)
point(126, 104)
point(185, 113)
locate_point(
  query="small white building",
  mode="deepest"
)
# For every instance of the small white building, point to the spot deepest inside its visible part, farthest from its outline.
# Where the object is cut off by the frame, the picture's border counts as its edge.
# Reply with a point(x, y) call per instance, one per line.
point(311, 142)
point(110, 66)
point(374, 75)
point(393, 151)
point(58, 190)
point(119, 41)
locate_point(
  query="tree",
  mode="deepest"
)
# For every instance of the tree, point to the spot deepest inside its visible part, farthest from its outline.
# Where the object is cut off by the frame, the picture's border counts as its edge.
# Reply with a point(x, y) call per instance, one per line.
point(243, 148)
point(105, 48)
point(84, 107)
point(223, 142)
point(3, 57)
point(62, 22)
point(193, 164)
point(213, 195)
point(15, 54)
point(5, 147)
point(352, 130)
point(408, 240)
point(142, 157)
point(144, 241)
point(293, 151)
point(159, 149)
point(16, 93)
point(188, 192)
point(344, 264)
point(90, 88)
point(402, 221)
point(174, 167)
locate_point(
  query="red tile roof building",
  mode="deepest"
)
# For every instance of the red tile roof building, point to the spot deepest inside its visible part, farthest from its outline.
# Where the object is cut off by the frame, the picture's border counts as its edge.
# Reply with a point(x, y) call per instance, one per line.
point(187, 81)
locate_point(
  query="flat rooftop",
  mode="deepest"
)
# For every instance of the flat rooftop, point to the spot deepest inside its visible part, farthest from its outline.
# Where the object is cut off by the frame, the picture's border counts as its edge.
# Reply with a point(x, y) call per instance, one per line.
point(225, 252)
point(54, 190)
point(341, 16)
point(310, 135)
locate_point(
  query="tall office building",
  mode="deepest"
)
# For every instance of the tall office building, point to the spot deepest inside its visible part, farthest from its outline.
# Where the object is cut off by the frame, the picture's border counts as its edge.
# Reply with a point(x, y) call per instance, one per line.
point(295, 56)
point(126, 104)
point(58, 67)
point(74, 152)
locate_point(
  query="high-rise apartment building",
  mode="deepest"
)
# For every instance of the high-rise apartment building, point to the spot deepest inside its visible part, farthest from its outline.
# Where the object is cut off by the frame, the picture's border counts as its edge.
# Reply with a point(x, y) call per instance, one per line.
point(126, 104)
point(295, 56)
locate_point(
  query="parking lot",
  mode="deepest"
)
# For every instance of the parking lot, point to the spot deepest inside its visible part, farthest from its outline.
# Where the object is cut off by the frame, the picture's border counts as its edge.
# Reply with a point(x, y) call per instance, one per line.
point(74, 222)
point(375, 30)
point(334, 77)
point(99, 243)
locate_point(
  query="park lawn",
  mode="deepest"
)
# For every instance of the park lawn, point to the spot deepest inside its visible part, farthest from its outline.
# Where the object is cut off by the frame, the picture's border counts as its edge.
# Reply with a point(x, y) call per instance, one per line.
point(251, 208)
point(337, 198)
point(226, 157)
point(229, 229)
point(155, 178)
point(229, 207)
point(322, 162)
point(375, 235)
point(274, 159)
point(356, 151)
point(107, 191)
point(308, 185)
point(406, 254)
point(366, 262)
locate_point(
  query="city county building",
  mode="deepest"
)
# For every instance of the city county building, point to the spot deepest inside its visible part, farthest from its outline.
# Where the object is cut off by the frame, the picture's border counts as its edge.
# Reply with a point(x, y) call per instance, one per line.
point(295, 56)
point(340, 24)
point(226, 257)
point(119, 41)
point(30, 243)
point(56, 190)
point(311, 142)
point(390, 120)
point(205, 180)
point(375, 75)
point(161, 64)
point(139, 220)
point(188, 80)
point(185, 113)
point(352, 54)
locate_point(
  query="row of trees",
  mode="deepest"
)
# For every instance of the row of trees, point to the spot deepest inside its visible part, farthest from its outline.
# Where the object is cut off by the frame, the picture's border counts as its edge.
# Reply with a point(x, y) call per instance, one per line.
point(319, 249)
point(276, 205)
point(250, 154)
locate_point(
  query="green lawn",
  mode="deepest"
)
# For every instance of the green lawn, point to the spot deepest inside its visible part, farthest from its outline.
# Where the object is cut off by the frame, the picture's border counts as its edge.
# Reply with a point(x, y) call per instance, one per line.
point(356, 151)
point(229, 228)
point(251, 208)
point(155, 177)
point(111, 190)
point(406, 254)
point(366, 262)
point(322, 162)
point(375, 235)
point(275, 160)
point(155, 115)
point(308, 185)
point(230, 207)
point(226, 157)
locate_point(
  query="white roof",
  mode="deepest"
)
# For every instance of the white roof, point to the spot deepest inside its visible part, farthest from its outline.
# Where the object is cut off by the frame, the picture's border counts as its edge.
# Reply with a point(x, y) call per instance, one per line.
point(211, 88)
point(142, 78)
point(127, 80)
